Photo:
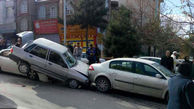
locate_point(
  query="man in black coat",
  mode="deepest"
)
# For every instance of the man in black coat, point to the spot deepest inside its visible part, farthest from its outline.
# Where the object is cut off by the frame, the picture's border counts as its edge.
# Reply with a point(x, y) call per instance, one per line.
point(167, 61)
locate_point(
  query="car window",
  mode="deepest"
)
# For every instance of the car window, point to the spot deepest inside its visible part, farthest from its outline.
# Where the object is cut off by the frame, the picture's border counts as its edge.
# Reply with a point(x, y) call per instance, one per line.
point(145, 69)
point(5, 53)
point(39, 51)
point(122, 65)
point(28, 49)
point(71, 61)
point(57, 59)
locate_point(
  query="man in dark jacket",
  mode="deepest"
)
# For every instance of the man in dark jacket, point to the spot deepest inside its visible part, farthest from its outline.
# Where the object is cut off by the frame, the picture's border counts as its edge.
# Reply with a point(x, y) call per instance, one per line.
point(91, 54)
point(167, 61)
point(181, 88)
point(70, 47)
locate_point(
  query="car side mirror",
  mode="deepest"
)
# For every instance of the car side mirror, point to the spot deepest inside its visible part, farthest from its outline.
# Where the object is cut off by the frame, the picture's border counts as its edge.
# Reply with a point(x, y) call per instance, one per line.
point(158, 76)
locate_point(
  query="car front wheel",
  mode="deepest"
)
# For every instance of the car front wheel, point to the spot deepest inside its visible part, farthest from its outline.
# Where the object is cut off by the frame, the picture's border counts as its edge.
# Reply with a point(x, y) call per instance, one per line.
point(102, 84)
point(73, 84)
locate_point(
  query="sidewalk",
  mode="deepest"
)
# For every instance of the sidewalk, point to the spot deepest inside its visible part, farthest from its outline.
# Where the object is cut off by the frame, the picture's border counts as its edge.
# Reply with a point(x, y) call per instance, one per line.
point(6, 103)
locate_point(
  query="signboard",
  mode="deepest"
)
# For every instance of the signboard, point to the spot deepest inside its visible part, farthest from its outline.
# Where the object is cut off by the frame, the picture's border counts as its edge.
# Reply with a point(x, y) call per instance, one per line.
point(76, 34)
point(46, 26)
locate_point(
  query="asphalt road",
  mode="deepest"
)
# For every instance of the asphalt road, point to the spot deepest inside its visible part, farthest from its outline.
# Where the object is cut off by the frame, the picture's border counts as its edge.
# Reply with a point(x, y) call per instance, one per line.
point(17, 92)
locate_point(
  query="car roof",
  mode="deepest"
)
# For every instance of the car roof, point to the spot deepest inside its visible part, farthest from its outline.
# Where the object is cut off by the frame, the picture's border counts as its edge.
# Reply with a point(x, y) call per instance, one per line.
point(150, 57)
point(134, 59)
point(50, 45)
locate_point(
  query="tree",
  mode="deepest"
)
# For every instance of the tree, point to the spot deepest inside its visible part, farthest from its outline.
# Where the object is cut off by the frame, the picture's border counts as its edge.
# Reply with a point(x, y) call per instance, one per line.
point(121, 38)
point(89, 14)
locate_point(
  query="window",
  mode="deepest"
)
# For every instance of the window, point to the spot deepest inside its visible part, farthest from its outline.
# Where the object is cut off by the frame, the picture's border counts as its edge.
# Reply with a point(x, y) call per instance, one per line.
point(53, 12)
point(24, 25)
point(40, 52)
point(42, 12)
point(55, 58)
point(145, 69)
point(10, 12)
point(24, 7)
point(71, 61)
point(28, 49)
point(122, 65)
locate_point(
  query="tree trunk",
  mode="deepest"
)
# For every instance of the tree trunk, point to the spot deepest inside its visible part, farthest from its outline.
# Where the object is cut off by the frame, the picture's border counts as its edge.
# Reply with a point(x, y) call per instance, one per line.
point(87, 38)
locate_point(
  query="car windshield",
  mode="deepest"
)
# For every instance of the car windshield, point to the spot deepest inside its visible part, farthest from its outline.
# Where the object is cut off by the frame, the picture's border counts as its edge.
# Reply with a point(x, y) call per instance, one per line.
point(71, 61)
point(164, 70)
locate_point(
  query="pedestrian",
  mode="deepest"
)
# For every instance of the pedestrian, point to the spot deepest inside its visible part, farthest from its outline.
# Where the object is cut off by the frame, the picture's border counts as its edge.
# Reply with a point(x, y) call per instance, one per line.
point(70, 47)
point(19, 42)
point(78, 51)
point(91, 54)
point(175, 60)
point(167, 61)
point(181, 88)
point(97, 54)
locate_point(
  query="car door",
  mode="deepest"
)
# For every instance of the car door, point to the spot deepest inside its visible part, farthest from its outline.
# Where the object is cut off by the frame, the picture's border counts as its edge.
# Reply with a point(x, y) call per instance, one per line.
point(36, 56)
point(57, 66)
point(6, 64)
point(121, 72)
point(146, 82)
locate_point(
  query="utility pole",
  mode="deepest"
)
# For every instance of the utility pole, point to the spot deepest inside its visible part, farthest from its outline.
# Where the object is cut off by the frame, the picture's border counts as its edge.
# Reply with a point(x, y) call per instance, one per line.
point(64, 21)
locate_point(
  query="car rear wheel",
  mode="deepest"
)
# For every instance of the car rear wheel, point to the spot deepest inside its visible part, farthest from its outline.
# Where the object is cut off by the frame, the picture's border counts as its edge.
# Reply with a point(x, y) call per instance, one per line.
point(73, 83)
point(23, 67)
point(32, 75)
point(102, 84)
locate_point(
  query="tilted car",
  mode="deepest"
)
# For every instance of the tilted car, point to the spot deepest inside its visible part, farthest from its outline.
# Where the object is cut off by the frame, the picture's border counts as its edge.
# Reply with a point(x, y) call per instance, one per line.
point(132, 75)
point(52, 59)
point(9, 66)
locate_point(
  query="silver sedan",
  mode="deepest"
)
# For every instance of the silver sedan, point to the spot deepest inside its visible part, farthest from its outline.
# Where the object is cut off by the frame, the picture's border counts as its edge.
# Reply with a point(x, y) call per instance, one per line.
point(132, 75)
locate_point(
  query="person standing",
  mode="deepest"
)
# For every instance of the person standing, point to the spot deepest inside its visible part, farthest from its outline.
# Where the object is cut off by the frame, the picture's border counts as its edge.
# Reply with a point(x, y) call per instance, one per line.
point(78, 51)
point(167, 61)
point(181, 88)
point(97, 54)
point(91, 54)
point(70, 47)
point(19, 42)
point(175, 61)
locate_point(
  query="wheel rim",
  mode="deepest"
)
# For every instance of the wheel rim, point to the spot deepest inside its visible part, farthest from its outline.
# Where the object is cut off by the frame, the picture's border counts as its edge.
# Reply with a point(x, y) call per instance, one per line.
point(23, 68)
point(32, 75)
point(102, 85)
point(73, 84)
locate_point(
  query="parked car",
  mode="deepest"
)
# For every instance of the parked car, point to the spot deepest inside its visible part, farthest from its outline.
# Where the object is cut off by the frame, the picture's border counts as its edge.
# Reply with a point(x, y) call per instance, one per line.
point(155, 59)
point(85, 60)
point(132, 75)
point(9, 66)
point(51, 59)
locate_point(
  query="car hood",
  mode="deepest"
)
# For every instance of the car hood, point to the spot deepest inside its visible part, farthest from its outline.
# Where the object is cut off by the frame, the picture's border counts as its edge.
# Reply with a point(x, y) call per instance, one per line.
point(81, 67)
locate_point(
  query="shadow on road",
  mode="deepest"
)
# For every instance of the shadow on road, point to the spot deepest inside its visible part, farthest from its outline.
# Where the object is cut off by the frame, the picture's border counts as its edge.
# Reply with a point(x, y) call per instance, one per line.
point(6, 103)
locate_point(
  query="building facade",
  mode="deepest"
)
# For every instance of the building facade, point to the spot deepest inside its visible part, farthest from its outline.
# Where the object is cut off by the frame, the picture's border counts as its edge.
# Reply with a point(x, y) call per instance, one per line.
point(46, 19)
point(25, 14)
point(7, 19)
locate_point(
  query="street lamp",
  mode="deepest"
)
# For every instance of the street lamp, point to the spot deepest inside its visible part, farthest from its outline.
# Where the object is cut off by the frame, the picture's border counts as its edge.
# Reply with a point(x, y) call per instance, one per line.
point(64, 21)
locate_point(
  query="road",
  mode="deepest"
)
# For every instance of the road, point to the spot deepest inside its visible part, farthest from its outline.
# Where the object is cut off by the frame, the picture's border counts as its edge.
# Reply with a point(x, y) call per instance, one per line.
point(17, 92)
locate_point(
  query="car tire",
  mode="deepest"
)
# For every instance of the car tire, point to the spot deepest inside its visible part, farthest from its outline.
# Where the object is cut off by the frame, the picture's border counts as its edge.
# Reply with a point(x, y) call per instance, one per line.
point(23, 67)
point(166, 98)
point(103, 84)
point(32, 75)
point(74, 84)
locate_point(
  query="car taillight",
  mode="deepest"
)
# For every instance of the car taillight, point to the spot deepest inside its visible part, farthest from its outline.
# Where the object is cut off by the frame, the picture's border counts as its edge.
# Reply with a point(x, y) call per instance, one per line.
point(11, 50)
point(91, 68)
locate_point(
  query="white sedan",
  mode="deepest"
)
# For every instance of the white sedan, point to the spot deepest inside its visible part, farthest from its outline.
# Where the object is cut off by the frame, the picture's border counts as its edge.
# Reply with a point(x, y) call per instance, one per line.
point(132, 75)
point(8, 65)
